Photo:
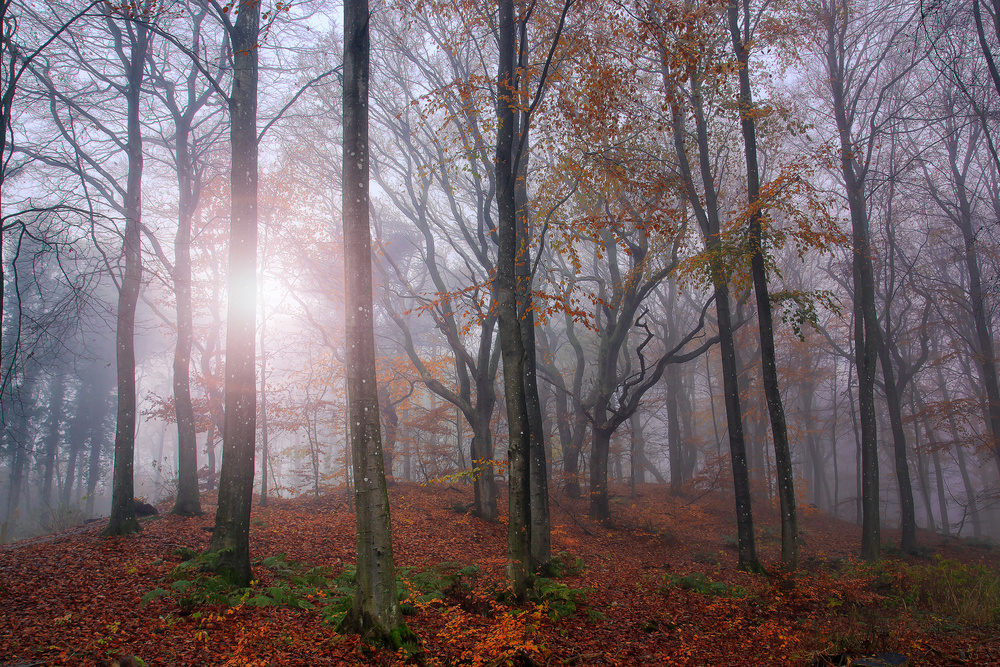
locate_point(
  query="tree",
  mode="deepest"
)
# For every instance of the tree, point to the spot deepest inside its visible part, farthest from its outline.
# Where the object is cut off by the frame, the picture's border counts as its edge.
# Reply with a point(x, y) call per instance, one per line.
point(187, 145)
point(858, 51)
point(231, 537)
point(123, 520)
point(765, 322)
point(685, 75)
point(505, 296)
point(375, 613)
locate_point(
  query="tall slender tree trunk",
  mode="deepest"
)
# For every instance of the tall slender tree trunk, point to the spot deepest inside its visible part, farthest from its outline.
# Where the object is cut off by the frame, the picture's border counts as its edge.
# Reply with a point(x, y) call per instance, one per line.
point(709, 221)
point(19, 441)
point(53, 436)
point(188, 502)
point(231, 537)
point(263, 385)
point(866, 327)
point(908, 519)
point(519, 565)
point(375, 613)
point(538, 473)
point(985, 354)
point(769, 375)
point(123, 520)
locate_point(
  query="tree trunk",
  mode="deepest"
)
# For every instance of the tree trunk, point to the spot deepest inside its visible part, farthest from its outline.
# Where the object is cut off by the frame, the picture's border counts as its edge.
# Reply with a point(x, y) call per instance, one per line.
point(908, 520)
point(538, 473)
point(263, 389)
point(123, 520)
point(231, 537)
point(519, 564)
point(637, 452)
point(52, 438)
point(769, 376)
point(866, 327)
point(481, 453)
point(375, 613)
point(599, 508)
point(942, 501)
point(985, 354)
point(674, 443)
point(18, 439)
point(188, 502)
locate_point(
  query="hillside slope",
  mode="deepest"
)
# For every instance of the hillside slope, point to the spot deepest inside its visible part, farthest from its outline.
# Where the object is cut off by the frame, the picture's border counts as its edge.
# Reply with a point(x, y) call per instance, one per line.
point(657, 587)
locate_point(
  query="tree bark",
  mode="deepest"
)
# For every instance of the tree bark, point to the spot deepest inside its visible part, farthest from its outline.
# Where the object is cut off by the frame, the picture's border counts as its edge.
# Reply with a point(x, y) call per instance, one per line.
point(57, 395)
point(708, 219)
point(231, 537)
point(375, 613)
point(123, 520)
point(188, 502)
point(769, 374)
point(866, 327)
point(519, 565)
point(541, 550)
point(908, 519)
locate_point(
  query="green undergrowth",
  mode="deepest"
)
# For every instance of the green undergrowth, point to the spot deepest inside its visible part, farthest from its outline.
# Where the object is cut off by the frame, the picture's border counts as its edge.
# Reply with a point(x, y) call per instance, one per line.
point(560, 599)
point(701, 584)
point(944, 594)
point(954, 595)
point(191, 584)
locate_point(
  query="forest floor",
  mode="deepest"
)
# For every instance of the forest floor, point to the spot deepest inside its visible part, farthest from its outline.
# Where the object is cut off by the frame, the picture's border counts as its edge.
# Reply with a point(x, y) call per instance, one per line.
point(659, 586)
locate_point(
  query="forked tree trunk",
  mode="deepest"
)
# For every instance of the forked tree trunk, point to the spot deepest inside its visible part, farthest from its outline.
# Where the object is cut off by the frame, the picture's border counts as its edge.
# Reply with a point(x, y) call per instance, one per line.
point(708, 219)
point(866, 327)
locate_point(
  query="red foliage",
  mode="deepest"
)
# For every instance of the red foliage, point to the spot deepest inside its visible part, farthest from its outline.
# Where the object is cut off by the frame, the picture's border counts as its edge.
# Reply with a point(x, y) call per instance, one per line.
point(74, 598)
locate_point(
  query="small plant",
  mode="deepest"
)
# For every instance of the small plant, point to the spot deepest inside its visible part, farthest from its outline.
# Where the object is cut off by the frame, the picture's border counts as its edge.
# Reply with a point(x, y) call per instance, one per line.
point(983, 543)
point(702, 585)
point(560, 600)
point(459, 507)
point(966, 594)
point(565, 564)
point(705, 557)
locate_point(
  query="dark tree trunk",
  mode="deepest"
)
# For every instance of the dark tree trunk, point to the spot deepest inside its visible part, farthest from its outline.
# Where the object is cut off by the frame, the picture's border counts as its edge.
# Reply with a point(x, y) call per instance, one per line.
point(481, 449)
point(637, 452)
point(908, 519)
point(375, 613)
point(188, 502)
point(519, 564)
point(538, 473)
point(231, 537)
point(53, 436)
point(866, 327)
point(19, 442)
point(599, 507)
point(769, 371)
point(985, 354)
point(674, 443)
point(123, 520)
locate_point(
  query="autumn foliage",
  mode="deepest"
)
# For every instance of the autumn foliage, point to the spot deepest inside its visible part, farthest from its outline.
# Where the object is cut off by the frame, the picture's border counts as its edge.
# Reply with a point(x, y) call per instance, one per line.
point(660, 586)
